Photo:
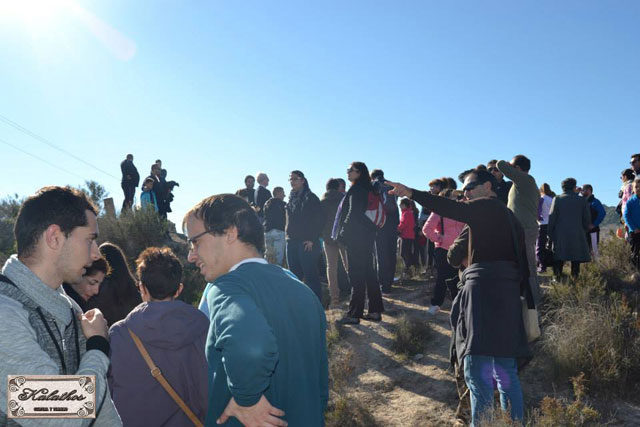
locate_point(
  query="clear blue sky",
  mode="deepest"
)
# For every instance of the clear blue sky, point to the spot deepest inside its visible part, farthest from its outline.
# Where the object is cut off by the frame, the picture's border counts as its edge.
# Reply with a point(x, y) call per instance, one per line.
point(218, 90)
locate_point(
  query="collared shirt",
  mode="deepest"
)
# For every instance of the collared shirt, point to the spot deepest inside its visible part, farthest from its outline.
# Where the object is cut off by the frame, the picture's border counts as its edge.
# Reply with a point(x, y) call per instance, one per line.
point(203, 306)
point(244, 261)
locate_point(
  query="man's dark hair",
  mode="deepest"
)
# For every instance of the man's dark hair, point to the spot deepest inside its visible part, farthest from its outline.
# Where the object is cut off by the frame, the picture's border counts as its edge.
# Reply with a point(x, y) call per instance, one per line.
point(481, 167)
point(483, 176)
point(160, 271)
point(222, 211)
point(449, 182)
point(464, 174)
point(277, 190)
point(635, 156)
point(248, 177)
point(342, 182)
point(129, 156)
point(522, 162)
point(628, 174)
point(333, 184)
point(63, 206)
point(492, 162)
point(98, 266)
point(437, 182)
point(589, 187)
point(377, 173)
point(158, 161)
point(569, 184)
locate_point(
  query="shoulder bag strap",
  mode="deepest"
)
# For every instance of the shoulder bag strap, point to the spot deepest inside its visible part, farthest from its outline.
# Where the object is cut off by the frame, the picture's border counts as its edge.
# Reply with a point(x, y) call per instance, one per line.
point(155, 373)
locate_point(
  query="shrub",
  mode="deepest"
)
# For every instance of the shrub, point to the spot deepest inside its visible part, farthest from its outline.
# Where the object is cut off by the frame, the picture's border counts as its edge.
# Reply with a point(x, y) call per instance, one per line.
point(555, 412)
point(591, 324)
point(137, 230)
point(410, 335)
point(347, 411)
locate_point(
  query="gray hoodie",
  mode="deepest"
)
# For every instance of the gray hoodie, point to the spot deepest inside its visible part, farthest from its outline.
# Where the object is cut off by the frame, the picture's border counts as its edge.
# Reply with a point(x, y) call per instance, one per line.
point(20, 352)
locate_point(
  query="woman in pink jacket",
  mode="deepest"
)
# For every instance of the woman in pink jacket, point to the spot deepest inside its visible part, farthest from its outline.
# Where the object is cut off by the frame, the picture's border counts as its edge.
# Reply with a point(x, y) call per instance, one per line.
point(407, 232)
point(443, 231)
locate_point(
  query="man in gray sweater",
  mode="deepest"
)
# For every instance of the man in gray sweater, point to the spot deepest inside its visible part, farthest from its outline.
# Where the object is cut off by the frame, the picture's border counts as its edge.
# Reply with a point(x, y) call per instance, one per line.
point(43, 331)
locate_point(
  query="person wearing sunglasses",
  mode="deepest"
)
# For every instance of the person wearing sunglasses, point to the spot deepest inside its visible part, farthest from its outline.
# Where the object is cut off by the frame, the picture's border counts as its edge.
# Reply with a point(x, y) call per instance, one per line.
point(486, 317)
point(502, 191)
point(635, 163)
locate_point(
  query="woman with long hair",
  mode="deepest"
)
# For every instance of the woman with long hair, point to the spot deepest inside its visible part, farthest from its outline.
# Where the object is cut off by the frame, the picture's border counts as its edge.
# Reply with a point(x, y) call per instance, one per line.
point(118, 292)
point(544, 207)
point(358, 234)
point(305, 221)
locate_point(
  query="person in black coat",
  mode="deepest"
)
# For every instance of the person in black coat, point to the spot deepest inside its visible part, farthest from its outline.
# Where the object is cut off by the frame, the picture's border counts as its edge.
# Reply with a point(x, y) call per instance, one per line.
point(130, 180)
point(305, 221)
point(358, 234)
point(387, 238)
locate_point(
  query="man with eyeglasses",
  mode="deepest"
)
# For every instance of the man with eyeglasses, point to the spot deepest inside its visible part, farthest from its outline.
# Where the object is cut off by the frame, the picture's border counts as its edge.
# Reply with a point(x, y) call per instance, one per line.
point(266, 346)
point(486, 316)
point(503, 188)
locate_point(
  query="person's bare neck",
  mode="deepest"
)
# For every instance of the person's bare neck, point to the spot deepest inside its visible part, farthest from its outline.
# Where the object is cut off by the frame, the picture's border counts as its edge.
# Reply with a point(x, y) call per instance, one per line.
point(46, 272)
point(241, 252)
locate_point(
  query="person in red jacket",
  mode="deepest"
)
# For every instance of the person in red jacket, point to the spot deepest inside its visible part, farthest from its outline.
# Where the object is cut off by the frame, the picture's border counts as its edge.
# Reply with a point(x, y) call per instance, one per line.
point(406, 230)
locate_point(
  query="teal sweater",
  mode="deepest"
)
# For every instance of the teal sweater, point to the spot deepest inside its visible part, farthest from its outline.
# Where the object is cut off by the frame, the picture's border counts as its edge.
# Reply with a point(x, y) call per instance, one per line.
point(267, 336)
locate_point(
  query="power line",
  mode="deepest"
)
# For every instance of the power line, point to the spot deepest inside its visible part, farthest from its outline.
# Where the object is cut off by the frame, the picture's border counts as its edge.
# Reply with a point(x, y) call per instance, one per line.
point(50, 144)
point(41, 159)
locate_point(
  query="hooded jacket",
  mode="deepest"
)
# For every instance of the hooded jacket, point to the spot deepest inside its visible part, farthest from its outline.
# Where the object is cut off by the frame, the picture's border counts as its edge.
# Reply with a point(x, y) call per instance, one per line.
point(174, 334)
point(27, 350)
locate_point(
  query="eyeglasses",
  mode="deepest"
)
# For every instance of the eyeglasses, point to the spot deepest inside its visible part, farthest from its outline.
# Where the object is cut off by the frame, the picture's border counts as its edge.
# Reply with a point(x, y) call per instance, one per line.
point(192, 241)
point(492, 169)
point(633, 161)
point(352, 170)
point(470, 186)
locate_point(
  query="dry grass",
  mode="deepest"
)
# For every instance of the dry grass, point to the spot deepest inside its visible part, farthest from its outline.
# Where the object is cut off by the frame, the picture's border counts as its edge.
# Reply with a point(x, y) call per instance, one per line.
point(410, 335)
point(591, 324)
point(346, 411)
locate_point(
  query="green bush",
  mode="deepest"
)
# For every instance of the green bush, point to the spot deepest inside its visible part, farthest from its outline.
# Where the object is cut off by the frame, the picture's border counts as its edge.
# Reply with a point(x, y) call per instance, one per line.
point(135, 231)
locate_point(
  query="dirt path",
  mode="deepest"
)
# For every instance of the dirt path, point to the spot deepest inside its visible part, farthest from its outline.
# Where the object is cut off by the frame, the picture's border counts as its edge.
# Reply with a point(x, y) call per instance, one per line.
point(396, 390)
point(401, 391)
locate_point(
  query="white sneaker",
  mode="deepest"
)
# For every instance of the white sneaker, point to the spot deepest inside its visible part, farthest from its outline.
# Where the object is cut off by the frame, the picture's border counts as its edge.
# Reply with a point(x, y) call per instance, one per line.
point(434, 309)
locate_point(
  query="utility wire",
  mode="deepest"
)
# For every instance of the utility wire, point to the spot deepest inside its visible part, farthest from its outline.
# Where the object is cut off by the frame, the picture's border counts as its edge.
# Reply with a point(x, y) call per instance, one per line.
point(41, 159)
point(50, 144)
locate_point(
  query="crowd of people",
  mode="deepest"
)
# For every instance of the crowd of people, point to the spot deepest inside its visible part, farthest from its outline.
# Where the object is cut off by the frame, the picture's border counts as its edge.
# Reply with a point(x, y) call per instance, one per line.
point(254, 351)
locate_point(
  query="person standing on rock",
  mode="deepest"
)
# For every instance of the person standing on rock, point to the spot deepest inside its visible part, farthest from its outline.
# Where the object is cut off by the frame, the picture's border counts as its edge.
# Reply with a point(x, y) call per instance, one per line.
point(495, 278)
point(130, 180)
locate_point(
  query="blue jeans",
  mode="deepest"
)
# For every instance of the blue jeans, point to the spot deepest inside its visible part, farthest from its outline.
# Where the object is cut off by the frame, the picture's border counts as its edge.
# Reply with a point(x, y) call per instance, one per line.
point(274, 246)
point(304, 264)
point(479, 373)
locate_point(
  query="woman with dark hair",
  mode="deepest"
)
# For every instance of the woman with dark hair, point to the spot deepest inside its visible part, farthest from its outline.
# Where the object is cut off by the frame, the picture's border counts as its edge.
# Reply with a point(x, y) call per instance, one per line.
point(118, 293)
point(89, 286)
point(358, 234)
point(305, 221)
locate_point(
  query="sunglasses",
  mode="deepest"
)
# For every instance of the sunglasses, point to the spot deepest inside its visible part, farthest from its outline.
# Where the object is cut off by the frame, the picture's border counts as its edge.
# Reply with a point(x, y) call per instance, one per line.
point(470, 186)
point(352, 170)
